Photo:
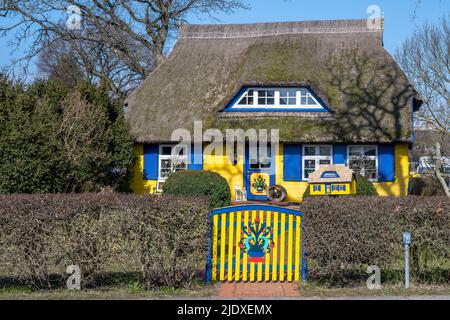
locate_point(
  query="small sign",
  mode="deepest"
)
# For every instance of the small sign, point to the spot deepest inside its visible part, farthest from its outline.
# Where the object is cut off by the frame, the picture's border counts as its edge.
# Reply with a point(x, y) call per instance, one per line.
point(406, 238)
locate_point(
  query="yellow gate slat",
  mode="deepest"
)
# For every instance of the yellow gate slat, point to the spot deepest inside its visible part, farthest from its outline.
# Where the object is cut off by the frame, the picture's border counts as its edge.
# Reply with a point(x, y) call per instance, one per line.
point(289, 263)
point(230, 246)
point(237, 272)
point(297, 248)
point(214, 247)
point(260, 264)
point(244, 262)
point(275, 248)
point(267, 263)
point(223, 228)
point(252, 264)
point(282, 245)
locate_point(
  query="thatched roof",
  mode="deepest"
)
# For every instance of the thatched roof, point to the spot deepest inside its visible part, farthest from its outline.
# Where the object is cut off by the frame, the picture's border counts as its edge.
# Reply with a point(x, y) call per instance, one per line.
point(342, 61)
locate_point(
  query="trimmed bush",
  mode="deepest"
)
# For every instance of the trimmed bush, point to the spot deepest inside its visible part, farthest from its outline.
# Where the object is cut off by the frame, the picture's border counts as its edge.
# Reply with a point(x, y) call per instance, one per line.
point(163, 237)
point(345, 235)
point(172, 237)
point(364, 187)
point(426, 186)
point(198, 183)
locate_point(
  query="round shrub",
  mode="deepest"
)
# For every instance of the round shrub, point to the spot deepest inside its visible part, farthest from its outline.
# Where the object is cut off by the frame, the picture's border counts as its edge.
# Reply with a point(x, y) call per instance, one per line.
point(200, 183)
point(364, 187)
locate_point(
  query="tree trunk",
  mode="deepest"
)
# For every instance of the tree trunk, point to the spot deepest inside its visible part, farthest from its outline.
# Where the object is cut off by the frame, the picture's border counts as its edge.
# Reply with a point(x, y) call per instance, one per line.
point(437, 169)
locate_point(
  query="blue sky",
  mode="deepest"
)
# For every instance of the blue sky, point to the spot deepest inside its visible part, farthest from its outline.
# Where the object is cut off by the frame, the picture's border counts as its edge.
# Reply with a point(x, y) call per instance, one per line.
point(398, 16)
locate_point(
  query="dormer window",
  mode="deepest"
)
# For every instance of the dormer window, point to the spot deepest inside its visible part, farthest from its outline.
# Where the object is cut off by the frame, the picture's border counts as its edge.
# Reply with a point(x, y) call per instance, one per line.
point(300, 99)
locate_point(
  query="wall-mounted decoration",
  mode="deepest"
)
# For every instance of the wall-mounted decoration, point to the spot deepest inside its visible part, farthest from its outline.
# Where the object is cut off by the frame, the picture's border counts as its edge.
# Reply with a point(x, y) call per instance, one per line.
point(259, 183)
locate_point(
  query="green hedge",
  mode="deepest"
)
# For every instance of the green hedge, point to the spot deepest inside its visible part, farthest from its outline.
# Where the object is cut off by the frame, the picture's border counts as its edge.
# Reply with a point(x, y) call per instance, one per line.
point(344, 235)
point(426, 186)
point(165, 238)
point(198, 183)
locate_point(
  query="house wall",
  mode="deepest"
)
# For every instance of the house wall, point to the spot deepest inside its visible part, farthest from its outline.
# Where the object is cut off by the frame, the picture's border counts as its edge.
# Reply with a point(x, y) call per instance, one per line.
point(295, 189)
point(399, 187)
point(235, 174)
point(138, 184)
point(232, 173)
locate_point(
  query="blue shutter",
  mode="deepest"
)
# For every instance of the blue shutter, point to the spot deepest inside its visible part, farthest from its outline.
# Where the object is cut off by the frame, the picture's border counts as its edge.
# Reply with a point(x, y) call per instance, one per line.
point(339, 154)
point(386, 163)
point(196, 158)
point(151, 161)
point(292, 162)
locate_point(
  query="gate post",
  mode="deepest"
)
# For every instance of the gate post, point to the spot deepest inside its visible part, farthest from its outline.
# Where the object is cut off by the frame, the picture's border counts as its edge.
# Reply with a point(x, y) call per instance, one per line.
point(304, 265)
point(210, 244)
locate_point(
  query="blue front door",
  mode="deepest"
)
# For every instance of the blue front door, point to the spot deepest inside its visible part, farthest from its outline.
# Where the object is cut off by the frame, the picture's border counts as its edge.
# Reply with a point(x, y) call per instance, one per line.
point(259, 174)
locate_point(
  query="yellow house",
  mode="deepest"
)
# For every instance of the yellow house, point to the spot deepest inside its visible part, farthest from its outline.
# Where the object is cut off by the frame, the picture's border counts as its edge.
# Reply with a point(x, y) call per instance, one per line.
point(329, 90)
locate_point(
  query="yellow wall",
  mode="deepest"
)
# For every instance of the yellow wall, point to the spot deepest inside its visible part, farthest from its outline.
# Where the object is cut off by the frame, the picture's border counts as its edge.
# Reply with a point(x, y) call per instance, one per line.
point(295, 189)
point(400, 186)
point(232, 173)
point(348, 190)
point(138, 184)
point(235, 174)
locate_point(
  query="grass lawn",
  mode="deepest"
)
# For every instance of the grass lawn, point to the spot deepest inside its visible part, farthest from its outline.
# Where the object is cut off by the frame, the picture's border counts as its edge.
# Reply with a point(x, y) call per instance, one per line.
point(312, 290)
point(131, 292)
point(309, 290)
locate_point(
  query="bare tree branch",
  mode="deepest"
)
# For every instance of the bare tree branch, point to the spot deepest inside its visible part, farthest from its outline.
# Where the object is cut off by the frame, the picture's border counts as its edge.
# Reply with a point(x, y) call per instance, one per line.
point(425, 58)
point(133, 35)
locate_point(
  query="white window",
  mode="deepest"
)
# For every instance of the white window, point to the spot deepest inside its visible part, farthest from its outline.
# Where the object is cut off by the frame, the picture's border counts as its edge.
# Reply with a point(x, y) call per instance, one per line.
point(282, 98)
point(169, 163)
point(314, 156)
point(364, 161)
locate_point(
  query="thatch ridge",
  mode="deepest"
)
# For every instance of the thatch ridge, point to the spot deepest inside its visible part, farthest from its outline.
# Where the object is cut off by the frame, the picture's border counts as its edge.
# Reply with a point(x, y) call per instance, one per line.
point(220, 31)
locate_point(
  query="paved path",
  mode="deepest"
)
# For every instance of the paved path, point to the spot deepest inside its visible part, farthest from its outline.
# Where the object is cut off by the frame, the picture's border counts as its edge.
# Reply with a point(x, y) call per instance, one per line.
point(258, 290)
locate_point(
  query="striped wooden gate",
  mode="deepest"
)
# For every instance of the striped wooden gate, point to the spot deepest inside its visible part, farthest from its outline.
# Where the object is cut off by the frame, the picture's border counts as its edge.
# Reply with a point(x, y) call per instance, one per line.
point(255, 243)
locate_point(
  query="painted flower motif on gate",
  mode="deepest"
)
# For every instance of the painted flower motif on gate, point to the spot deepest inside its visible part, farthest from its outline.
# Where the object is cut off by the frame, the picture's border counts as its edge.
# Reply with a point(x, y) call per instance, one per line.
point(256, 240)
